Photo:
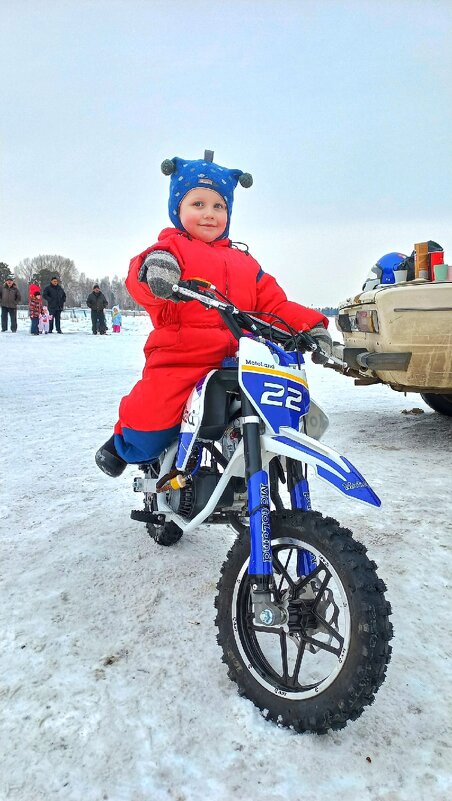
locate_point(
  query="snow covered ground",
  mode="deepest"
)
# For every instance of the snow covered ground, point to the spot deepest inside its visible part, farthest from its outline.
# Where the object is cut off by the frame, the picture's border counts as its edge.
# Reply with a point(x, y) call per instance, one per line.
point(112, 685)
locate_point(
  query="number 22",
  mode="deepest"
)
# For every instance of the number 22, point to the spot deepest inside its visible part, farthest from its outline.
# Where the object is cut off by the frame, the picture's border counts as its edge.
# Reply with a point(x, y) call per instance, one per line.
point(276, 391)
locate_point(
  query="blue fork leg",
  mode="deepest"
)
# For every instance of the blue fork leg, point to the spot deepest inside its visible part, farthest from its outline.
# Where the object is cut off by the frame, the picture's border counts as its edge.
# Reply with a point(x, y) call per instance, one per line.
point(260, 532)
point(260, 566)
point(300, 498)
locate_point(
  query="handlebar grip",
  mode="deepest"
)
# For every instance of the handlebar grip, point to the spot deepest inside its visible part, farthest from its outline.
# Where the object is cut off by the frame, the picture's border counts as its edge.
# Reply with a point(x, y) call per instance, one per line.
point(309, 342)
point(195, 289)
point(194, 283)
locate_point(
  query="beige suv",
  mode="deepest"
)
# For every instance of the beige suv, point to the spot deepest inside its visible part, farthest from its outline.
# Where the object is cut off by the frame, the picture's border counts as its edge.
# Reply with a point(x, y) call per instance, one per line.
point(401, 335)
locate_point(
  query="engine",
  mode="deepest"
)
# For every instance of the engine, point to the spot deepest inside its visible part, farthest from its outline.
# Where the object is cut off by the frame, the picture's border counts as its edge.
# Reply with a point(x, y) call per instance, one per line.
point(191, 499)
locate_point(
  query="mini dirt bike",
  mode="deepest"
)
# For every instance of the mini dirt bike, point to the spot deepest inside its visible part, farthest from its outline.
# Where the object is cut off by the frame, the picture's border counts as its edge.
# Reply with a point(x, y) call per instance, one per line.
point(301, 613)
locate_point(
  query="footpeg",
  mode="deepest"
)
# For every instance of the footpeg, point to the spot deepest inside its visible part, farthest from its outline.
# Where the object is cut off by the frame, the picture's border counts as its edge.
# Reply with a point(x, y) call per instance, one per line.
point(143, 516)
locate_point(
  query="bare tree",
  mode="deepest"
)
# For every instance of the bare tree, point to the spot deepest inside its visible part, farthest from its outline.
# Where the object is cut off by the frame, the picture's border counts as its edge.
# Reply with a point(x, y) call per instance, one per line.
point(40, 269)
point(25, 270)
point(30, 269)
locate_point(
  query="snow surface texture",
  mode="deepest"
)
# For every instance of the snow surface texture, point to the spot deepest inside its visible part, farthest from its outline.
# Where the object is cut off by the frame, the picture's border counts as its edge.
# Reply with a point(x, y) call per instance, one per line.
point(112, 686)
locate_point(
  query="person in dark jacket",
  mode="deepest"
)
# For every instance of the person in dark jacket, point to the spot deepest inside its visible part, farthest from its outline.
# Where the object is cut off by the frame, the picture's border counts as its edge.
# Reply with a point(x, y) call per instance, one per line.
point(97, 302)
point(9, 298)
point(55, 296)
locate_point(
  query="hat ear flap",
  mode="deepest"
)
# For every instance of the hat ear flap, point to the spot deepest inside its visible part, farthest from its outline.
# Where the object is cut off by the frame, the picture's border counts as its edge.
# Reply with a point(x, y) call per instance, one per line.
point(168, 167)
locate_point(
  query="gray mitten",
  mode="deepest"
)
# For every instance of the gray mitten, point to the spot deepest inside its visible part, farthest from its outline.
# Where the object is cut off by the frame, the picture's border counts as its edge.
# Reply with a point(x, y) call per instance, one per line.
point(338, 351)
point(161, 270)
point(324, 341)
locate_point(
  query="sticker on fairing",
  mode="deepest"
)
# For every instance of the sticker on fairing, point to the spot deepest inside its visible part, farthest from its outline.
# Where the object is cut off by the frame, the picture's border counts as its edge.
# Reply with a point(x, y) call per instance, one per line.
point(278, 392)
point(191, 421)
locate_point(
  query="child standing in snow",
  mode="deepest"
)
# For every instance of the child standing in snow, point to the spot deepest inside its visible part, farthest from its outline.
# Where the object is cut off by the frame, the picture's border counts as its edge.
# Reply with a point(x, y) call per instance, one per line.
point(186, 342)
point(35, 309)
point(116, 320)
point(44, 321)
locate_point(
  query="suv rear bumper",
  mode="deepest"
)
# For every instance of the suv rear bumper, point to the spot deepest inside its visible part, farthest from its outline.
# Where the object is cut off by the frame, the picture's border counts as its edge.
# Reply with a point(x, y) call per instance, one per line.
point(359, 358)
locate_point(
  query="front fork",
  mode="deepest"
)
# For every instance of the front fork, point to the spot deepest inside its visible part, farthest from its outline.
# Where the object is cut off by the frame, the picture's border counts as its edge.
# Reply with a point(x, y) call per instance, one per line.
point(300, 499)
point(260, 569)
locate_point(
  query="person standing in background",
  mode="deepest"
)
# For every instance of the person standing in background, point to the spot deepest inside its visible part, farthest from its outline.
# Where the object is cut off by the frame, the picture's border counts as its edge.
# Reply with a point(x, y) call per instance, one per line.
point(32, 288)
point(116, 320)
point(55, 296)
point(44, 321)
point(35, 307)
point(97, 302)
point(9, 299)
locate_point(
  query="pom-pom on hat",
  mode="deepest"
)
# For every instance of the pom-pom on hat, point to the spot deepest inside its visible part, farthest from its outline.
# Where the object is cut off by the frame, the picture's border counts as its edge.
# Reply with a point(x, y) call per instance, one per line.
point(203, 174)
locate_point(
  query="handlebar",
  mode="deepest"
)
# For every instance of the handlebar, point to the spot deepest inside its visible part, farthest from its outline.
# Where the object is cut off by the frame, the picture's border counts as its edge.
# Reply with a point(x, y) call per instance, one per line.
point(202, 291)
point(237, 320)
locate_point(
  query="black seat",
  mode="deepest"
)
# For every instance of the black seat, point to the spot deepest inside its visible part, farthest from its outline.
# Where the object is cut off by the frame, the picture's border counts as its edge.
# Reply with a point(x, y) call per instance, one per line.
point(220, 389)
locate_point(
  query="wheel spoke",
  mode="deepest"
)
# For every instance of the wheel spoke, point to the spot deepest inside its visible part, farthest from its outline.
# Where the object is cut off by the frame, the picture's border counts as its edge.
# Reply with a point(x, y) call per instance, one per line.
point(325, 646)
point(280, 569)
point(330, 630)
point(303, 581)
point(321, 590)
point(284, 572)
point(283, 645)
point(300, 654)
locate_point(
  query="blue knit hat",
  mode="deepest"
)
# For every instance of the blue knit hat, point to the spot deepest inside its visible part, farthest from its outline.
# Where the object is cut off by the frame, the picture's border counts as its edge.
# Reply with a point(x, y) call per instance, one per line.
point(188, 175)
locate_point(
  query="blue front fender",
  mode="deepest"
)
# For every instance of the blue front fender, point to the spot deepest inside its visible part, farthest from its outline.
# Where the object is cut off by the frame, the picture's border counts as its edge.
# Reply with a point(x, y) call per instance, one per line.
point(329, 465)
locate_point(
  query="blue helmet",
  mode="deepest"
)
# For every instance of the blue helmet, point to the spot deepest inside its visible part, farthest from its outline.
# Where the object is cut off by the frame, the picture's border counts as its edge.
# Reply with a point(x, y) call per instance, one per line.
point(384, 268)
point(390, 261)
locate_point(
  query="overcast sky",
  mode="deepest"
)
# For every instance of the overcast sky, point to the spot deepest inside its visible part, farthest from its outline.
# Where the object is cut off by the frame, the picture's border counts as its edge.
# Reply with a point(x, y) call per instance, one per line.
point(342, 111)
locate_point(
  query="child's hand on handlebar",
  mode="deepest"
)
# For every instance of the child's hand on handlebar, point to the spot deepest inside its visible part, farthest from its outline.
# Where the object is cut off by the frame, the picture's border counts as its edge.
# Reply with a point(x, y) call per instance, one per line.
point(161, 271)
point(322, 339)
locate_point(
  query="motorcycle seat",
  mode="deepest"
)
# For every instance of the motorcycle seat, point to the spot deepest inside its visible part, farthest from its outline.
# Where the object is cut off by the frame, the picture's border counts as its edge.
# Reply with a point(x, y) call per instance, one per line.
point(219, 393)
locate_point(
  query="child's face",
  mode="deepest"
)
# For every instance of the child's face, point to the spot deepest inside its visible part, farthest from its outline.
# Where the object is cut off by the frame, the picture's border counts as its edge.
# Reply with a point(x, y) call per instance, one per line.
point(203, 214)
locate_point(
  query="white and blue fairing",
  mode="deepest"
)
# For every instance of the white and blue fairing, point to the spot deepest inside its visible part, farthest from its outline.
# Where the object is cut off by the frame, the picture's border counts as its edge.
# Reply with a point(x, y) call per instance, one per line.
point(191, 420)
point(276, 386)
point(278, 389)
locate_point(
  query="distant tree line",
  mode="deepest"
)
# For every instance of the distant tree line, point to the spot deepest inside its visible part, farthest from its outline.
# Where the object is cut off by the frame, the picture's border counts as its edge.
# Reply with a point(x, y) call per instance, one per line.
point(77, 286)
point(329, 311)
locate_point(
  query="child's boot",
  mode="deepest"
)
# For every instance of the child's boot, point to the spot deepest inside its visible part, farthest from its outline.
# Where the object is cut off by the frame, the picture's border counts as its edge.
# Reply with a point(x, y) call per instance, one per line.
point(109, 460)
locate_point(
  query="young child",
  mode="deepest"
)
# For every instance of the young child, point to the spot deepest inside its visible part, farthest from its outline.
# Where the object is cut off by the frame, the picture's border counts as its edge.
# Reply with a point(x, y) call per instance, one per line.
point(35, 309)
point(187, 342)
point(116, 320)
point(44, 321)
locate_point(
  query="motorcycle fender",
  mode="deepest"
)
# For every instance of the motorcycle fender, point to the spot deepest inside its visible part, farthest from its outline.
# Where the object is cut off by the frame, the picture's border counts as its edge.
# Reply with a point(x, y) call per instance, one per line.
point(329, 465)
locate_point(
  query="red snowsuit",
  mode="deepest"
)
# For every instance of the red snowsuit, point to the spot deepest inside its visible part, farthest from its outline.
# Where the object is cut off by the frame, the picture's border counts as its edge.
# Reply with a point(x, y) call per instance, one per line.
point(187, 340)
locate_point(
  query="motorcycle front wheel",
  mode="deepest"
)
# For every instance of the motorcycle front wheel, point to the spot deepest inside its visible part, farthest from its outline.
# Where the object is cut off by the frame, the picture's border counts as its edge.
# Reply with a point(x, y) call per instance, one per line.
point(324, 666)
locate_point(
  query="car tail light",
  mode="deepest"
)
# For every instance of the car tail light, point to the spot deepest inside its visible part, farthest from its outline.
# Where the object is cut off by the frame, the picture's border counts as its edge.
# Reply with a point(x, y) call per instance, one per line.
point(367, 321)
